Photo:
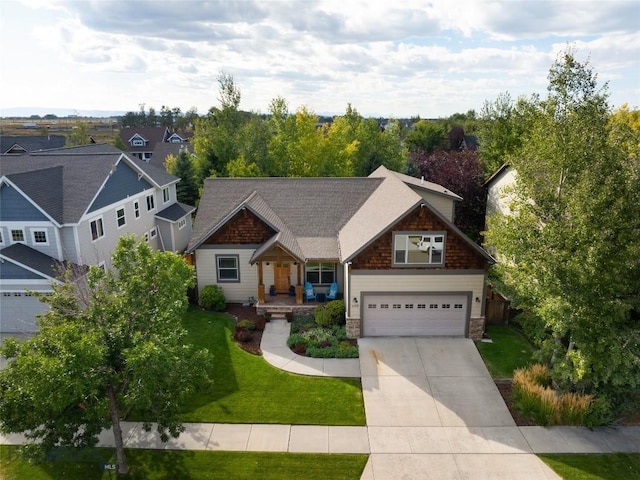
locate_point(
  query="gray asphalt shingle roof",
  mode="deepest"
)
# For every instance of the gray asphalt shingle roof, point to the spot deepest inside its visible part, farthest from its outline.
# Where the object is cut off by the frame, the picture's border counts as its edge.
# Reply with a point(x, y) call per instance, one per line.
point(316, 218)
point(31, 143)
point(63, 182)
point(302, 207)
point(175, 212)
point(35, 260)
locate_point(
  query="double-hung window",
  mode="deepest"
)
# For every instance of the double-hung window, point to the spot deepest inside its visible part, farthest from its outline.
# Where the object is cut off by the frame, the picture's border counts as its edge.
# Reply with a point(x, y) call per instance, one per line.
point(97, 229)
point(418, 248)
point(136, 209)
point(227, 268)
point(120, 217)
point(151, 202)
point(166, 195)
point(320, 273)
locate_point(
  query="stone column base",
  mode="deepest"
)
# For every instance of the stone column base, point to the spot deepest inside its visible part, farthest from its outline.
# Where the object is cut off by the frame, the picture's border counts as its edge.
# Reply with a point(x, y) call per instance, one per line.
point(353, 328)
point(476, 328)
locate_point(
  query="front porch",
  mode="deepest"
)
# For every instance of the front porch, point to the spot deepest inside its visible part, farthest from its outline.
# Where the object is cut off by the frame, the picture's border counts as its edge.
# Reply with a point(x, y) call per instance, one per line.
point(283, 304)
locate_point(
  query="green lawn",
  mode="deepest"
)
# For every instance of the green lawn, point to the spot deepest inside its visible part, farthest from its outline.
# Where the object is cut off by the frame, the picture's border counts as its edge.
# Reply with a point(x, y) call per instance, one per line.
point(509, 350)
point(616, 466)
point(159, 464)
point(247, 389)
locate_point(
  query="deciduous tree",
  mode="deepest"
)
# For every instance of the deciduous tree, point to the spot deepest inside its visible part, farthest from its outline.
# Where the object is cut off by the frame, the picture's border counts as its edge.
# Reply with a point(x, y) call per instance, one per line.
point(105, 347)
point(571, 248)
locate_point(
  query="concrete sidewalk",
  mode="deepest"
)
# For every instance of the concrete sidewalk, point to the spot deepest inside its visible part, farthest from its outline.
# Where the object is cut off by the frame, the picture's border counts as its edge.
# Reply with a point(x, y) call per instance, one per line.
point(377, 440)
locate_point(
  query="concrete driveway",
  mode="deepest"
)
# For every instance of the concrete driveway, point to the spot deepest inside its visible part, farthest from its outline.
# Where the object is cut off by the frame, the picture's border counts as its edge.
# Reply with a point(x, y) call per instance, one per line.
point(433, 411)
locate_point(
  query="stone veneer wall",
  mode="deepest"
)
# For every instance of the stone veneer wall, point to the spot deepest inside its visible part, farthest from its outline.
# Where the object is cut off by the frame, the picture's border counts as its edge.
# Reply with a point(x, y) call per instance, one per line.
point(476, 328)
point(353, 328)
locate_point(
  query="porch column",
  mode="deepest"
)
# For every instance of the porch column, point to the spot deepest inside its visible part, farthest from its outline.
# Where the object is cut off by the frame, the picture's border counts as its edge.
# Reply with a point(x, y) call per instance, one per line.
point(299, 289)
point(260, 284)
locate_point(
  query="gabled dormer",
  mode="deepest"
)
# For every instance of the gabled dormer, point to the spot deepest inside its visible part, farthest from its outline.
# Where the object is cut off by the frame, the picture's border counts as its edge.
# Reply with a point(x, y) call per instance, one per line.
point(175, 138)
point(138, 141)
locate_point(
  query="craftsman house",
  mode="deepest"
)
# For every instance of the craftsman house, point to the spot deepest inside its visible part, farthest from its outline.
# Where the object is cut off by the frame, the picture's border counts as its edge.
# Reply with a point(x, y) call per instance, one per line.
point(388, 241)
point(72, 205)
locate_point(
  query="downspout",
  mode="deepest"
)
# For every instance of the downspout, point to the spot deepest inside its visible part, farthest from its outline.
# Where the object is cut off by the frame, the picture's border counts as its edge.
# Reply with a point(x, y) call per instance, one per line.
point(347, 297)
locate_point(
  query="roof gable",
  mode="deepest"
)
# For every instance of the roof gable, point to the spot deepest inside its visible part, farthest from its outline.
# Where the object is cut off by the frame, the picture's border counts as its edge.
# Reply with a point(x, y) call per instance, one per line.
point(14, 206)
point(122, 182)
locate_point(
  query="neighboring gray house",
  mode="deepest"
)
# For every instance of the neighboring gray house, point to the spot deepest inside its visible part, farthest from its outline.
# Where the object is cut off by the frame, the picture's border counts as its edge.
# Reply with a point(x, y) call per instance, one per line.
point(388, 241)
point(72, 205)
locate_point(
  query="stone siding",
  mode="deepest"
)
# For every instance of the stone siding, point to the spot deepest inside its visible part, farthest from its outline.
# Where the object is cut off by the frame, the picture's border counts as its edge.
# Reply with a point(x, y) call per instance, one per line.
point(353, 328)
point(476, 328)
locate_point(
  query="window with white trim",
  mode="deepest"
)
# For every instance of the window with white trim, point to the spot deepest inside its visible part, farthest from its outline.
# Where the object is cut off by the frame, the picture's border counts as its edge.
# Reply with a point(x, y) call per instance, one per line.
point(136, 209)
point(151, 202)
point(153, 232)
point(418, 248)
point(320, 273)
point(120, 217)
point(97, 229)
point(227, 268)
point(39, 237)
point(137, 142)
point(166, 195)
point(1, 239)
point(182, 223)
point(17, 235)
point(146, 237)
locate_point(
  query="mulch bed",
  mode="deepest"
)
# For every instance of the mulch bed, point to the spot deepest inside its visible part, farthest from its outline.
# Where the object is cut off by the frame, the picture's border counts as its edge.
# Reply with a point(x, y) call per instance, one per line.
point(240, 312)
point(505, 388)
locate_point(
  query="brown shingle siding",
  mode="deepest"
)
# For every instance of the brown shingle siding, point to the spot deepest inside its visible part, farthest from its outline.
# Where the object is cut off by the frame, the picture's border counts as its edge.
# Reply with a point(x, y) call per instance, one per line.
point(243, 228)
point(458, 254)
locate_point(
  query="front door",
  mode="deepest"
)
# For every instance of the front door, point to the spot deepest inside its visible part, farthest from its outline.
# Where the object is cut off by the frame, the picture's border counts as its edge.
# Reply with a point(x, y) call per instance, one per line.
point(282, 277)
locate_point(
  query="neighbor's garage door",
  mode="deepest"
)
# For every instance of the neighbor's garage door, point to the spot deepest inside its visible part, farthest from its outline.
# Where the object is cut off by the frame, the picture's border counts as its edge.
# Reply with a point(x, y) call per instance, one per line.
point(414, 315)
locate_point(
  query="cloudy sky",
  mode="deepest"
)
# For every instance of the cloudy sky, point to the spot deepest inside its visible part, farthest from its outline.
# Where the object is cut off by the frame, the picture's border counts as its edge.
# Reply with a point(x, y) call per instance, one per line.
point(387, 58)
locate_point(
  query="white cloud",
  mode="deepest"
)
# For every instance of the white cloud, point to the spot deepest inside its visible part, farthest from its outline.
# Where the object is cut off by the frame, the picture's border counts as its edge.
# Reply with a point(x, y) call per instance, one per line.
point(414, 57)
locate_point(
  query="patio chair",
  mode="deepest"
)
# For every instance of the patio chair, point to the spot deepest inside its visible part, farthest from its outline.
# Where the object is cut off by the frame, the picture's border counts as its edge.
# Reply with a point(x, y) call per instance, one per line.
point(309, 292)
point(332, 293)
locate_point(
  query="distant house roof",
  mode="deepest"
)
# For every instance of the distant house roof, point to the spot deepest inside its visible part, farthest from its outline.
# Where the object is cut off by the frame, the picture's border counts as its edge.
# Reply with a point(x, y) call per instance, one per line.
point(495, 175)
point(470, 142)
point(37, 261)
point(150, 135)
point(64, 182)
point(164, 149)
point(18, 144)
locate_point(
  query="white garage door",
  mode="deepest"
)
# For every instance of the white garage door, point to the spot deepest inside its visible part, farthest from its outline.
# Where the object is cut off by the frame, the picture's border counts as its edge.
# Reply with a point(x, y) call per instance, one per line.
point(414, 315)
point(18, 312)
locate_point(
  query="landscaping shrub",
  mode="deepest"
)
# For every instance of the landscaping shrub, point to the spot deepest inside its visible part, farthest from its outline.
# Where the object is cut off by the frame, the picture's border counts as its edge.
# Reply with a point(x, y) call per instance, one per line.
point(247, 325)
point(212, 298)
point(321, 342)
point(330, 314)
point(535, 399)
point(322, 316)
point(336, 310)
